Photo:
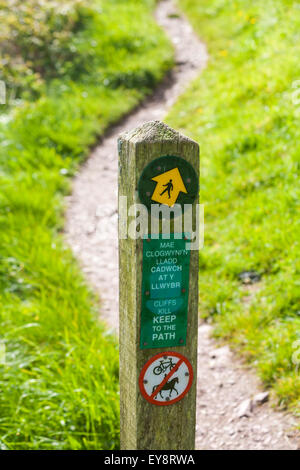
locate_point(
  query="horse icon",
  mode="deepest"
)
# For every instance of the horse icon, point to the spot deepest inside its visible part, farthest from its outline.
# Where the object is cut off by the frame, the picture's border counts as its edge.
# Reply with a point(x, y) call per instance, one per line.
point(170, 385)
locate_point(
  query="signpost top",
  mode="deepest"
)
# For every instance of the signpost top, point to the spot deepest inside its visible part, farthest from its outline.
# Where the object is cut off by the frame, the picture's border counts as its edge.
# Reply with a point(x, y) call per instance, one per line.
point(155, 131)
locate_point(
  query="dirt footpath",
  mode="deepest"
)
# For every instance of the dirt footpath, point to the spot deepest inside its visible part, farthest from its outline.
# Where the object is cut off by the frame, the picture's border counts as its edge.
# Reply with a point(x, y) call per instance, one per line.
point(228, 416)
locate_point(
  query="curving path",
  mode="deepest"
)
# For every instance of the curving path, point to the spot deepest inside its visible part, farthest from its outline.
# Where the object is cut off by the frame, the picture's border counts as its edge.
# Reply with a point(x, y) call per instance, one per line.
point(225, 385)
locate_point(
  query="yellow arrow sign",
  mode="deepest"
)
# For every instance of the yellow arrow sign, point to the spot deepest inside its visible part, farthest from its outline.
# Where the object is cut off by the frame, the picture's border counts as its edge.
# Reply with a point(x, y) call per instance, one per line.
point(169, 185)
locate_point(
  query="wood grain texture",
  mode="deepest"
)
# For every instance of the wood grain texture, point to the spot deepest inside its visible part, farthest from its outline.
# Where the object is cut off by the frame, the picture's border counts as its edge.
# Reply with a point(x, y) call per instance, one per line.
point(144, 425)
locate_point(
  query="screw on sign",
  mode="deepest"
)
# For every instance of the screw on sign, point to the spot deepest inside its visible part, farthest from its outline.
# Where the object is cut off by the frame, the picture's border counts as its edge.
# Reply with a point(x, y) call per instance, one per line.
point(166, 378)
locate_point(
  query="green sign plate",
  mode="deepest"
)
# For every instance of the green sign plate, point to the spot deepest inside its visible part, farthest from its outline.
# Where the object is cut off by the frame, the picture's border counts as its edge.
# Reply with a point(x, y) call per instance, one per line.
point(165, 292)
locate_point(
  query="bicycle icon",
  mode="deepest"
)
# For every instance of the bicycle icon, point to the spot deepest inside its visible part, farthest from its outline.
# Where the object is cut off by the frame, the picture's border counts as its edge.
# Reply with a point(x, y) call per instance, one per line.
point(164, 365)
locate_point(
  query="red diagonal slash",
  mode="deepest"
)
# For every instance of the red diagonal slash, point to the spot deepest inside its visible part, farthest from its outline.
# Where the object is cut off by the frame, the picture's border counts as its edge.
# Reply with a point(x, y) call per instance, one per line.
point(172, 371)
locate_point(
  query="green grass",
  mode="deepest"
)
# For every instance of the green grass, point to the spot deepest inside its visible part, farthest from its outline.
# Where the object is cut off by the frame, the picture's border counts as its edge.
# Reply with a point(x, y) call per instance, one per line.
point(59, 367)
point(241, 111)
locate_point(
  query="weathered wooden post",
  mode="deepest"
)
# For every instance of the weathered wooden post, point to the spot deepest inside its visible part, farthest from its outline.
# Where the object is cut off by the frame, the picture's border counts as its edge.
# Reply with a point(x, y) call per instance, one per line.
point(158, 167)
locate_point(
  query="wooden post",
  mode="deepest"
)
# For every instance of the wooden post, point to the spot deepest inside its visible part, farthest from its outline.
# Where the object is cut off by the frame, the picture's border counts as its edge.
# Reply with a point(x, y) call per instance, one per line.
point(149, 156)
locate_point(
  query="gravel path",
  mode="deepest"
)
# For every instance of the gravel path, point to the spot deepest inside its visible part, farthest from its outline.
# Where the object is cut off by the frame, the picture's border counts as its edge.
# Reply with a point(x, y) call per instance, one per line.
point(224, 385)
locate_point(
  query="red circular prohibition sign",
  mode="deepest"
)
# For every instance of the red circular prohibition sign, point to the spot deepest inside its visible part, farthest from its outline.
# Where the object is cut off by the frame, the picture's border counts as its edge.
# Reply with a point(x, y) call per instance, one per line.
point(169, 372)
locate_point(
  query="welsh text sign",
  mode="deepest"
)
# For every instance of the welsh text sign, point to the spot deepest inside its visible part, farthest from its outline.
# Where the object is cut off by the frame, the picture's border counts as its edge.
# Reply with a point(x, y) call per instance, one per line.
point(165, 292)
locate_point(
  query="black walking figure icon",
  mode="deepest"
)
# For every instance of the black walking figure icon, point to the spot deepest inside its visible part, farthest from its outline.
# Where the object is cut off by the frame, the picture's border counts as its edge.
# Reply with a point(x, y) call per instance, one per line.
point(169, 188)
